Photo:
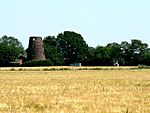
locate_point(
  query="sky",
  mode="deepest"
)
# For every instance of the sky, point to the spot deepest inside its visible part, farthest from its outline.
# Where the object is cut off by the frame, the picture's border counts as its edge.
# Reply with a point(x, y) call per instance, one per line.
point(99, 21)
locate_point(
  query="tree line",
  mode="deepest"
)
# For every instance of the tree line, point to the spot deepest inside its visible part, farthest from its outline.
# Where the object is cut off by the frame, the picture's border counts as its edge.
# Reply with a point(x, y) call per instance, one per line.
point(70, 47)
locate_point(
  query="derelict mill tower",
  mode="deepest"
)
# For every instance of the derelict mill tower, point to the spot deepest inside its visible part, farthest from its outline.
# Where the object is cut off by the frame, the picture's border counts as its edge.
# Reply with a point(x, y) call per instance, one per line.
point(35, 49)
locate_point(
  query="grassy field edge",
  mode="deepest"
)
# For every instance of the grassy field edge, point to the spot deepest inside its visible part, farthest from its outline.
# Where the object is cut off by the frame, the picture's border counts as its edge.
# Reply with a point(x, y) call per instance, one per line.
point(53, 68)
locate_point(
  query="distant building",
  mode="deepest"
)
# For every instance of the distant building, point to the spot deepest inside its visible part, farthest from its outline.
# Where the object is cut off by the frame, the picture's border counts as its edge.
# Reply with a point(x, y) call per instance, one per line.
point(20, 59)
point(35, 49)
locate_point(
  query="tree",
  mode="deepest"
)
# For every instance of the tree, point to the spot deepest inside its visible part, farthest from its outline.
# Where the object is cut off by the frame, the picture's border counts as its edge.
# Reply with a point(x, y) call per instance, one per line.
point(144, 58)
point(90, 60)
point(132, 51)
point(73, 47)
point(126, 53)
point(137, 46)
point(115, 52)
point(12, 42)
point(103, 56)
point(52, 51)
point(10, 48)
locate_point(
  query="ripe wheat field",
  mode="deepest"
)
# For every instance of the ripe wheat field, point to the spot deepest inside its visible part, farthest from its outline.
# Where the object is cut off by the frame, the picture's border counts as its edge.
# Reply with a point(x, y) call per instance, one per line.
point(75, 91)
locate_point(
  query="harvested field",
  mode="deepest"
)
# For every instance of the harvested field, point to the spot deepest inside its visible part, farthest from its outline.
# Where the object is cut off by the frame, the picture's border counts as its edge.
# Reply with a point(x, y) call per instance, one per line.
point(75, 91)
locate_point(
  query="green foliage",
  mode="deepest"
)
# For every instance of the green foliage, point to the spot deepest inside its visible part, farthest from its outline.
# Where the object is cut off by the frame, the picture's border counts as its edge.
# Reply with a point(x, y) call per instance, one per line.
point(12, 42)
point(102, 56)
point(144, 58)
point(90, 58)
point(68, 47)
point(10, 48)
point(132, 51)
point(52, 51)
point(115, 51)
point(73, 47)
point(37, 63)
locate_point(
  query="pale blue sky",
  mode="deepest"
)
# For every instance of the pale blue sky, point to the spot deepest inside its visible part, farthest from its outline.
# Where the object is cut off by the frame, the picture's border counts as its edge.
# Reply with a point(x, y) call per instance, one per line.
point(98, 21)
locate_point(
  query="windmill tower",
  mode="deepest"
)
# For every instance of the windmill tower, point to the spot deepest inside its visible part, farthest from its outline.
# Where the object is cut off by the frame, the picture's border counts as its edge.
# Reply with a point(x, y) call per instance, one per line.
point(35, 49)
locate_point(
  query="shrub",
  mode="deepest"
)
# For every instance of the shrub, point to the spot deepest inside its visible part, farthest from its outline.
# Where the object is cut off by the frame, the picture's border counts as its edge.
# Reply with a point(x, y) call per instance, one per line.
point(143, 67)
point(37, 63)
point(7, 64)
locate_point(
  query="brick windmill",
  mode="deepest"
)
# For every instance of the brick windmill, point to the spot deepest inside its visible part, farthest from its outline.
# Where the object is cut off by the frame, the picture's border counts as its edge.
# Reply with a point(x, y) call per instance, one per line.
point(35, 49)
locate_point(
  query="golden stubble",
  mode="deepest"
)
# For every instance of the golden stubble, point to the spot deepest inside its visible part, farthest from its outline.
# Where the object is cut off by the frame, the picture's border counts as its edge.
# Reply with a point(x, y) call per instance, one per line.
point(75, 91)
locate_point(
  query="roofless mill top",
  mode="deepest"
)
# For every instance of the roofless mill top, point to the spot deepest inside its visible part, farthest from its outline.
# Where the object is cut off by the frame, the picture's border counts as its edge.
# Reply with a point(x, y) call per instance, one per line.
point(35, 49)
